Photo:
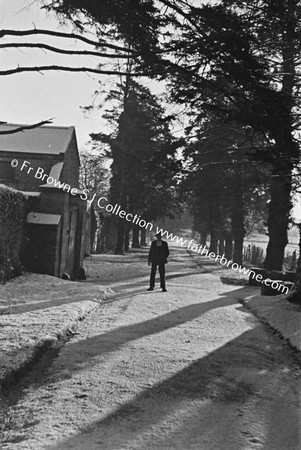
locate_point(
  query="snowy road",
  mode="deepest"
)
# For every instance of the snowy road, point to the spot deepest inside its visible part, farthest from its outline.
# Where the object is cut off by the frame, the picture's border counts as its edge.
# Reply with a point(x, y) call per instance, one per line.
point(186, 369)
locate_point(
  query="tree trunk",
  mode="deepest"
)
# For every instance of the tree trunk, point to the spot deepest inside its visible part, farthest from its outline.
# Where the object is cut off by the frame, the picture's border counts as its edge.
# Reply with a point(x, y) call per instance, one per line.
point(237, 220)
point(286, 150)
point(99, 238)
point(213, 241)
point(288, 84)
point(120, 228)
point(278, 221)
point(120, 222)
point(281, 186)
point(94, 223)
point(203, 239)
point(107, 236)
point(221, 246)
point(127, 237)
point(143, 238)
point(214, 223)
point(135, 242)
point(228, 245)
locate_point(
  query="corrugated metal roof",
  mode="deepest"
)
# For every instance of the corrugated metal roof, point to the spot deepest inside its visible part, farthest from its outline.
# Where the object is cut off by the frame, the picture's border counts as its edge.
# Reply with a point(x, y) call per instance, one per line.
point(43, 219)
point(45, 139)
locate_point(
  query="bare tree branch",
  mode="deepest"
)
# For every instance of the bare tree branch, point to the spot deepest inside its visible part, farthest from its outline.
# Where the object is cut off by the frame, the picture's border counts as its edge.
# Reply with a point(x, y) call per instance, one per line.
point(96, 44)
point(25, 127)
point(252, 227)
point(72, 69)
point(63, 51)
point(178, 8)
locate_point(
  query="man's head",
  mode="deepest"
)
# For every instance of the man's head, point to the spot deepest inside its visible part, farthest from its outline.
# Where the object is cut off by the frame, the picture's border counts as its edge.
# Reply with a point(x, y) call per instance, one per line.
point(159, 236)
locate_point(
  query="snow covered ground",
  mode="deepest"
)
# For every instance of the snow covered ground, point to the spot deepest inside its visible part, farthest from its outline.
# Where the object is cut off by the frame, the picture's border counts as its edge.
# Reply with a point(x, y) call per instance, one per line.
point(188, 369)
point(38, 311)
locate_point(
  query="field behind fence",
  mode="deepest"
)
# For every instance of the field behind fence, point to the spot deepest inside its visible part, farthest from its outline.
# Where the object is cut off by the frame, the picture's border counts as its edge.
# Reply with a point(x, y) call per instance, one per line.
point(255, 249)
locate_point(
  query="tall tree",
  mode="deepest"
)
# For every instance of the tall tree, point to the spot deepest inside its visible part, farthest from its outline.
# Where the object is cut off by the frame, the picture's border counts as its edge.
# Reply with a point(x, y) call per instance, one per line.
point(223, 185)
point(142, 150)
point(240, 61)
point(94, 177)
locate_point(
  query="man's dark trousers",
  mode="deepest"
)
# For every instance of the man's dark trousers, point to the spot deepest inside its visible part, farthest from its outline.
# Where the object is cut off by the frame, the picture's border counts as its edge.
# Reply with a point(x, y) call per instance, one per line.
point(153, 275)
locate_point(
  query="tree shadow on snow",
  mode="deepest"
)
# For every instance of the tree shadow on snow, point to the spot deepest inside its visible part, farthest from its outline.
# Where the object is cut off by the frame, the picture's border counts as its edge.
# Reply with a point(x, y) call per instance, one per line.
point(212, 403)
point(113, 340)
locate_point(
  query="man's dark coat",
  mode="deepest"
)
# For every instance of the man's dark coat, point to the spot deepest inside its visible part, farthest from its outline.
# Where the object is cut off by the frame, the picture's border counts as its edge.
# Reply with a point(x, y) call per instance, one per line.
point(158, 254)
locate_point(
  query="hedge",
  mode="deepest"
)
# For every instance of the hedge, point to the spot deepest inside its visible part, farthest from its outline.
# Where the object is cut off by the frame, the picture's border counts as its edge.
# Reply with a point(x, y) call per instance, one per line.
point(13, 208)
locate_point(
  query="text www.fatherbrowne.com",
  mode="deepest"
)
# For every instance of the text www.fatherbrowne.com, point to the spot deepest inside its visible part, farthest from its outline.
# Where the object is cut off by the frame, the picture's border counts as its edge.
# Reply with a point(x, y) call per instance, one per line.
point(136, 219)
point(204, 251)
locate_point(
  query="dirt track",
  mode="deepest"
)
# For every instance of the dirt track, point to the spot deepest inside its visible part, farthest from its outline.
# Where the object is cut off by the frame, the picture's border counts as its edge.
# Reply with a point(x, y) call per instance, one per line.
point(186, 369)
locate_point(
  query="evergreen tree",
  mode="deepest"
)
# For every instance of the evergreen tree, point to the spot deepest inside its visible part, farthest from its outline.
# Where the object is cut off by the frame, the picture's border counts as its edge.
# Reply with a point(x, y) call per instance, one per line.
point(144, 166)
point(223, 186)
point(239, 60)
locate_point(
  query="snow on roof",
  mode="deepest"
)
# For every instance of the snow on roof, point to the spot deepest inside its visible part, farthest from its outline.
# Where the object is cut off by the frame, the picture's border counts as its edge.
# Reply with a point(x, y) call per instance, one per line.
point(55, 173)
point(56, 170)
point(31, 194)
point(43, 219)
point(25, 193)
point(3, 186)
point(46, 139)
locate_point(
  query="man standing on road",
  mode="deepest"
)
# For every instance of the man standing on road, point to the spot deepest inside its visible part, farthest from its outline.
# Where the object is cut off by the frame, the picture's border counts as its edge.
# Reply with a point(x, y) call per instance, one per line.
point(157, 256)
